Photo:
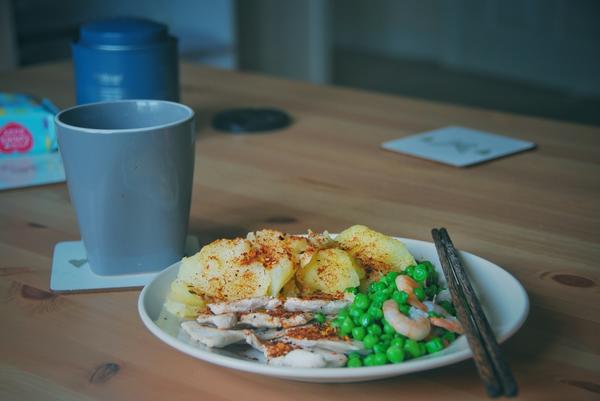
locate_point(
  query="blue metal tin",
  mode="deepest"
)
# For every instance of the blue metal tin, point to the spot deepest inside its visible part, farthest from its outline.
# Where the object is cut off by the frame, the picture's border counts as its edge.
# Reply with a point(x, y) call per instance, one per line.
point(125, 58)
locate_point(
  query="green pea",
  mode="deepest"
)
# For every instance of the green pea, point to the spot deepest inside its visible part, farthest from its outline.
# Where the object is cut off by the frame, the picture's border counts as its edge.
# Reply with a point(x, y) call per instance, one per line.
point(375, 329)
point(419, 293)
point(405, 309)
point(422, 348)
point(389, 290)
point(377, 286)
point(433, 314)
point(379, 348)
point(420, 273)
point(370, 340)
point(400, 297)
point(409, 270)
point(392, 276)
point(354, 363)
point(354, 355)
point(365, 320)
point(380, 297)
point(448, 306)
point(434, 345)
point(347, 326)
point(395, 354)
point(369, 360)
point(320, 318)
point(335, 324)
point(380, 358)
point(343, 312)
point(413, 348)
point(449, 336)
point(361, 301)
point(376, 313)
point(432, 277)
point(354, 311)
point(386, 338)
point(398, 342)
point(358, 333)
point(377, 304)
point(431, 290)
point(351, 290)
point(340, 319)
point(429, 266)
point(387, 328)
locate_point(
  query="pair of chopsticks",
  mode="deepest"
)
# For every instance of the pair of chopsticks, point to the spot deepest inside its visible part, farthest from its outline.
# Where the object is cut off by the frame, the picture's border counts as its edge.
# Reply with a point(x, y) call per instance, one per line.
point(493, 369)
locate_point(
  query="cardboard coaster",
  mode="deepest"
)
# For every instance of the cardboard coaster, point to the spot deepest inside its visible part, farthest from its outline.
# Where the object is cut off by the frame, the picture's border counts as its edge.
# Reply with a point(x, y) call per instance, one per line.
point(458, 146)
point(72, 273)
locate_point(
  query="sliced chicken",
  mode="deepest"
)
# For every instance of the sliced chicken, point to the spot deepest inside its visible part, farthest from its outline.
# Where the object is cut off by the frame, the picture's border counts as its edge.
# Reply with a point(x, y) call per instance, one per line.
point(212, 337)
point(317, 336)
point(325, 306)
point(222, 321)
point(275, 319)
point(295, 319)
point(245, 305)
point(299, 358)
point(333, 359)
point(219, 338)
point(260, 319)
point(281, 353)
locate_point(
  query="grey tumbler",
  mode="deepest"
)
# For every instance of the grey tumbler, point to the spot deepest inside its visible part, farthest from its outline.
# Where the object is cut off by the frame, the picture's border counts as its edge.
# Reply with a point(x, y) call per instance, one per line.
point(129, 167)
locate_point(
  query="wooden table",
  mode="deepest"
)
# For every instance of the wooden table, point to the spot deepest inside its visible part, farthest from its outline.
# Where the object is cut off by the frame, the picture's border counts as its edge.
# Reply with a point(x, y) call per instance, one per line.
point(536, 214)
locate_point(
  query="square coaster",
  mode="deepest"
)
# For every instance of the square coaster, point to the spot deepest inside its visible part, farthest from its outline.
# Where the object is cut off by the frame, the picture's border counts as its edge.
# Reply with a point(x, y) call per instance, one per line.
point(72, 273)
point(458, 146)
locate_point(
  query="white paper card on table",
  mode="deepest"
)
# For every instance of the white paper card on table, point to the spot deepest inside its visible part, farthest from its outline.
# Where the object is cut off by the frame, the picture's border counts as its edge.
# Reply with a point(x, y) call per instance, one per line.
point(458, 146)
point(71, 271)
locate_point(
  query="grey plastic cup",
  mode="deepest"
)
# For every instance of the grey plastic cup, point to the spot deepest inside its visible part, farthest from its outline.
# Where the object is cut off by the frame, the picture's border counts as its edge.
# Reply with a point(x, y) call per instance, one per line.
point(129, 167)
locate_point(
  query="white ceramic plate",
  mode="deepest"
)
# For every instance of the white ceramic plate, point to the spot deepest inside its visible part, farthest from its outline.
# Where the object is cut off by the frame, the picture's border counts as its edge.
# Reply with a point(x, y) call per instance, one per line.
point(502, 296)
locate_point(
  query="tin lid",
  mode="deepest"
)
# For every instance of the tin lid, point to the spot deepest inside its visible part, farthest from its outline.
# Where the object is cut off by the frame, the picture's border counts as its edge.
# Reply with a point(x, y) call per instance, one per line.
point(122, 32)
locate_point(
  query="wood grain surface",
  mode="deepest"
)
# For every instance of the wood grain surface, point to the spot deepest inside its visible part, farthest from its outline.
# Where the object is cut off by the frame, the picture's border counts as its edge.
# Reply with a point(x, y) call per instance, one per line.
point(536, 214)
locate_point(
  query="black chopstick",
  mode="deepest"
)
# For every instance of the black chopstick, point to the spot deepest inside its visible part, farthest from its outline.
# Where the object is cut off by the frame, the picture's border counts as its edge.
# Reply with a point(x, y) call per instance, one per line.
point(492, 368)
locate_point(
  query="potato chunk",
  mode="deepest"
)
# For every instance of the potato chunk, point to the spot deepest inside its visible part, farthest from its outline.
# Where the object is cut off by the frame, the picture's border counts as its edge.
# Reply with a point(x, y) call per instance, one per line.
point(275, 253)
point(181, 292)
point(330, 271)
point(376, 252)
point(226, 269)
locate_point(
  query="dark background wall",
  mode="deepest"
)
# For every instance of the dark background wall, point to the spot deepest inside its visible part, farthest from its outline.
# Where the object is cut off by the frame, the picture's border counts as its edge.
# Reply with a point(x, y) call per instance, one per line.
point(534, 57)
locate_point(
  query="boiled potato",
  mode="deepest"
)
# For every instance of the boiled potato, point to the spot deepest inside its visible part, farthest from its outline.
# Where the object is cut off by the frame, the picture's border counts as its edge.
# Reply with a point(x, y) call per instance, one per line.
point(226, 269)
point(376, 252)
point(180, 292)
point(330, 271)
point(290, 289)
point(302, 250)
point(183, 303)
point(275, 253)
point(182, 310)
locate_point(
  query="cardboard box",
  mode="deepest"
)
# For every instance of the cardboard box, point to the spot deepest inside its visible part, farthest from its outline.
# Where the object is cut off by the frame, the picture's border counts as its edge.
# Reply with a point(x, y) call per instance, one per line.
point(26, 125)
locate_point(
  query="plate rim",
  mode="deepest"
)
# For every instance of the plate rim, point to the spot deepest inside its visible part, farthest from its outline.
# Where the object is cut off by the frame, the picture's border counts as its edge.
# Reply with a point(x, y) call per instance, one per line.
point(344, 374)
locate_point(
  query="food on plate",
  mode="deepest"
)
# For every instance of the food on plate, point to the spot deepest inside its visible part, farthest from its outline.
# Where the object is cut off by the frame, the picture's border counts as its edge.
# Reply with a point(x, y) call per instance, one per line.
point(402, 316)
point(359, 299)
point(330, 271)
point(378, 252)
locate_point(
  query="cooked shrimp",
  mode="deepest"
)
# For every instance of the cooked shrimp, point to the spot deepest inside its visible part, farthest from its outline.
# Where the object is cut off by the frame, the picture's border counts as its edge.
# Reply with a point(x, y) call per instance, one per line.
point(416, 326)
point(407, 284)
point(447, 321)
